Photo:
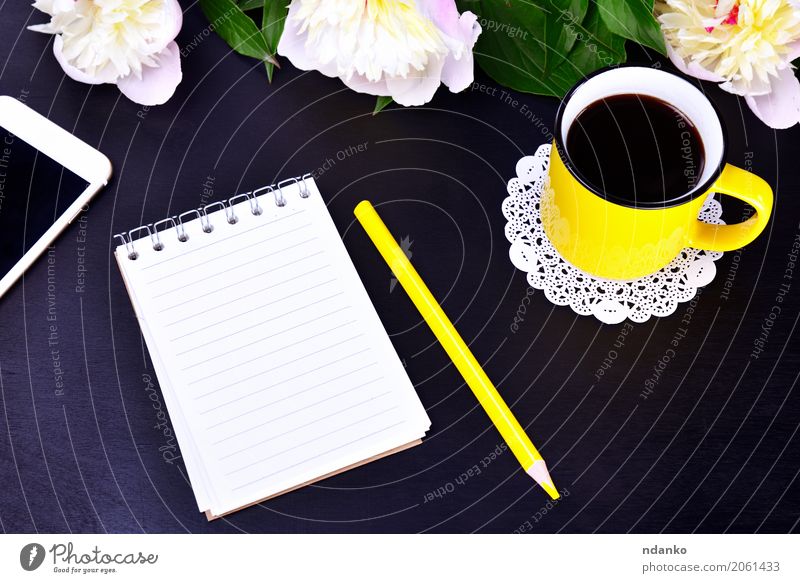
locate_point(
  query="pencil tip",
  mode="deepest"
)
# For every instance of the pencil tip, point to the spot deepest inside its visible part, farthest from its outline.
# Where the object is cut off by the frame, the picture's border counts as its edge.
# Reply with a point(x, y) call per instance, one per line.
point(538, 471)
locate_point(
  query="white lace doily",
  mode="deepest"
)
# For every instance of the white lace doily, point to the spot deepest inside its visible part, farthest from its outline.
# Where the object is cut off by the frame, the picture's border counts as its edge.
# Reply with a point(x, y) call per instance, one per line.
point(565, 285)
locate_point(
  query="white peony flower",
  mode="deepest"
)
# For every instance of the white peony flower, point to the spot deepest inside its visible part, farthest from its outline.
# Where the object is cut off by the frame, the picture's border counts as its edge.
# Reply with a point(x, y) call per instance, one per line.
point(126, 42)
point(746, 45)
point(398, 48)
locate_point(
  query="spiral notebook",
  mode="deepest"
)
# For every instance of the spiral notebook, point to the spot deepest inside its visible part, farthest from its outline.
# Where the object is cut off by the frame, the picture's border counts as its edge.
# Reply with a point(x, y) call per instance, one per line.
point(274, 365)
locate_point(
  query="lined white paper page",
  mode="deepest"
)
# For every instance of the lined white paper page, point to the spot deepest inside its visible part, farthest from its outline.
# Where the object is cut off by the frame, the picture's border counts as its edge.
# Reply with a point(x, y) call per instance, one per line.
point(266, 340)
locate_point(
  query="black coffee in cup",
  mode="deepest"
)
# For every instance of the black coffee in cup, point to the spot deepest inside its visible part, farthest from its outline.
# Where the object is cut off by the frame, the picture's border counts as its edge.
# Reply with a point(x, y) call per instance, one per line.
point(638, 147)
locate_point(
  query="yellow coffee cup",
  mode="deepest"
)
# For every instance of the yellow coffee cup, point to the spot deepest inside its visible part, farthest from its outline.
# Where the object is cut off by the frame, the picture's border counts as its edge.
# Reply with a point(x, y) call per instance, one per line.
point(608, 235)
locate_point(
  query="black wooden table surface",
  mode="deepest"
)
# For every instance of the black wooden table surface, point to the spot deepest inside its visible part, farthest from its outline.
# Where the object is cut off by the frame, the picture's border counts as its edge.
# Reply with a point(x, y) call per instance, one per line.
point(713, 447)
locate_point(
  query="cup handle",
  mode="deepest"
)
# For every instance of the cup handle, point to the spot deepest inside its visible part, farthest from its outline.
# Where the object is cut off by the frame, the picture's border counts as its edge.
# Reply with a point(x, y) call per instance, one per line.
point(747, 187)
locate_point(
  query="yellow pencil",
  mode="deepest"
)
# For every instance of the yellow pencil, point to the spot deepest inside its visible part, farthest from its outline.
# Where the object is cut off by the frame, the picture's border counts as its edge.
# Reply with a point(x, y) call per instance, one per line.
point(456, 348)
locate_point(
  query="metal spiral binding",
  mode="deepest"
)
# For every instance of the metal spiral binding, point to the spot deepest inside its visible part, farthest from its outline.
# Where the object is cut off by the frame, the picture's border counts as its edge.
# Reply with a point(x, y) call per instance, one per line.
point(202, 214)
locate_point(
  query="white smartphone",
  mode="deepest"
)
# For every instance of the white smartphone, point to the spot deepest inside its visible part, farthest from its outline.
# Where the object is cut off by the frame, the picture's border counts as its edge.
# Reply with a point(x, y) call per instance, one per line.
point(47, 176)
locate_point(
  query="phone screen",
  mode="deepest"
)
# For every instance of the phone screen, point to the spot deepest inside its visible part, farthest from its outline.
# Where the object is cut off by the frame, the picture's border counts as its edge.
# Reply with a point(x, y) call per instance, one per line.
point(35, 190)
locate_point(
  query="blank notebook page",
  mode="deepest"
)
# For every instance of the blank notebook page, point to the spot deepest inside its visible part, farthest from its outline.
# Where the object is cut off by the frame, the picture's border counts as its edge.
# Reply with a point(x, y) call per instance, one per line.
point(274, 365)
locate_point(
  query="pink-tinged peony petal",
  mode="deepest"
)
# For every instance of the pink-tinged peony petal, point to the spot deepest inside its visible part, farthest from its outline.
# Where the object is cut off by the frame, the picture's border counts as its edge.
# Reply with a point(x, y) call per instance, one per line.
point(157, 84)
point(73, 72)
point(52, 7)
point(292, 45)
point(173, 15)
point(418, 88)
point(46, 28)
point(458, 74)
point(361, 84)
point(45, 6)
point(779, 109)
point(175, 11)
point(458, 71)
point(794, 51)
point(692, 68)
point(444, 15)
point(460, 33)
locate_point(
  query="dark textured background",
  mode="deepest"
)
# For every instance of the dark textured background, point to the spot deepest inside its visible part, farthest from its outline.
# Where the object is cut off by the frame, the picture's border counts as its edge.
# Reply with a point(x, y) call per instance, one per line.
point(714, 448)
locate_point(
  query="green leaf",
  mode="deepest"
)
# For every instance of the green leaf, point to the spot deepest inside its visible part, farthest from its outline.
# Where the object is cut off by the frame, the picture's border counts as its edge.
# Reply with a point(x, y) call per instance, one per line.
point(528, 33)
point(272, 21)
point(380, 103)
point(251, 4)
point(634, 20)
point(558, 36)
point(236, 28)
point(545, 46)
point(600, 49)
